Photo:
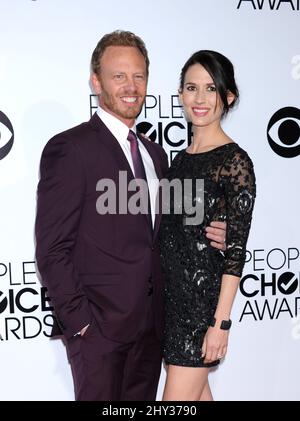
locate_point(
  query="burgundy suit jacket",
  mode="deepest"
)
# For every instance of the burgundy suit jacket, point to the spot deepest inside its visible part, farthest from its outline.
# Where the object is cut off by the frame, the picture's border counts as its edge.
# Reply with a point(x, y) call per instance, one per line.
point(95, 266)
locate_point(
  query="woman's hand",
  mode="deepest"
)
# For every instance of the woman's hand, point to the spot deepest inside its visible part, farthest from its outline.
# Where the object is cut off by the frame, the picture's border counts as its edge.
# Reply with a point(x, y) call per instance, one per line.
point(214, 344)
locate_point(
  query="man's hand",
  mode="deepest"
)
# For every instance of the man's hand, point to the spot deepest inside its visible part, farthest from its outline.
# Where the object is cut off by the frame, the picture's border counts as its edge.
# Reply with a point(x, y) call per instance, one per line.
point(217, 233)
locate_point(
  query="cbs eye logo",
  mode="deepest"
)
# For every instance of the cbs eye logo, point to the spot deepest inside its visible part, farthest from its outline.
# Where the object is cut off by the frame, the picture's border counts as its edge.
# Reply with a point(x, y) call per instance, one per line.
point(284, 132)
point(6, 135)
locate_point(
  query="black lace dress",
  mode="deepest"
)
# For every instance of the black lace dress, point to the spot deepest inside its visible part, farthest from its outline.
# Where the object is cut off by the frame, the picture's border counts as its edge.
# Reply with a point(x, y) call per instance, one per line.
point(193, 268)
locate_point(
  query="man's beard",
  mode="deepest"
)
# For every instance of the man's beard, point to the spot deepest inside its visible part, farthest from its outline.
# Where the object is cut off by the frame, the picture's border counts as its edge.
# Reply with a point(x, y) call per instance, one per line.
point(116, 108)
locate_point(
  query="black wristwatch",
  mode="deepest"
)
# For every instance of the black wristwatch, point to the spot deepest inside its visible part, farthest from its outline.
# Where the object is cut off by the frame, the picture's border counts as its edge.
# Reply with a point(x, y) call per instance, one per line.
point(225, 324)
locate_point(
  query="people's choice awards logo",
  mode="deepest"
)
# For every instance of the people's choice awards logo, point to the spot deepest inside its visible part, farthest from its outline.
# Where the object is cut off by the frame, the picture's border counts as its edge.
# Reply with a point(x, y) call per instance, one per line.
point(272, 287)
point(270, 4)
point(284, 132)
point(25, 308)
point(6, 135)
point(148, 130)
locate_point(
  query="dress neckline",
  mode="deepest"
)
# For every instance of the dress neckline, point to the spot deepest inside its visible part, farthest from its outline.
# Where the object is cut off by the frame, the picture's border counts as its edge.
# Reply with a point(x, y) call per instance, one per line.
point(211, 150)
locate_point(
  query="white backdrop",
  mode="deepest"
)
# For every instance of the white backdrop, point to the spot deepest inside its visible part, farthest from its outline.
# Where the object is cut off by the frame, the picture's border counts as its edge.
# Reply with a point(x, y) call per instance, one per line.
point(44, 88)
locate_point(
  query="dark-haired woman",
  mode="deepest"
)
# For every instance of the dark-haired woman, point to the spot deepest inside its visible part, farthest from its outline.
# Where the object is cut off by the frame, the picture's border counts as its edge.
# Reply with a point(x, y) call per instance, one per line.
point(201, 282)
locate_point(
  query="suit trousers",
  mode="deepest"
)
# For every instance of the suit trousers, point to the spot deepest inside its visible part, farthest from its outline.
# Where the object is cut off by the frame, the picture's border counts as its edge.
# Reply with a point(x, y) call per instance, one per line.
point(107, 370)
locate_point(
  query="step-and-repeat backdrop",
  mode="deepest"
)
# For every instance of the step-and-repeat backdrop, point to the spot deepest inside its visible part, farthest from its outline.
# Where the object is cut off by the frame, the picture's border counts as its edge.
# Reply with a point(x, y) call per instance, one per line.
point(45, 52)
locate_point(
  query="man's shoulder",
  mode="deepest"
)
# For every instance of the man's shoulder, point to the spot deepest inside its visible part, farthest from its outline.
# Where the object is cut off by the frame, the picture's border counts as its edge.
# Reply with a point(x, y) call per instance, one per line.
point(76, 134)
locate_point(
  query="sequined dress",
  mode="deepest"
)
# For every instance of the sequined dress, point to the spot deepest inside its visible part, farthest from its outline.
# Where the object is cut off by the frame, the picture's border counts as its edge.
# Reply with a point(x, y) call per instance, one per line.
point(192, 267)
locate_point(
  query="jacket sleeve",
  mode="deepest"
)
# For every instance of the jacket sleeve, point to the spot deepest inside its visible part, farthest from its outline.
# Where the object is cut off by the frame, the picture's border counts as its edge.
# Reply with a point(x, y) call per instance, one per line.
point(60, 196)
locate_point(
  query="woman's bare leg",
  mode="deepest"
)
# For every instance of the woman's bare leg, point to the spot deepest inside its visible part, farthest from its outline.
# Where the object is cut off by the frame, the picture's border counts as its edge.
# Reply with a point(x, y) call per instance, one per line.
point(186, 383)
point(206, 394)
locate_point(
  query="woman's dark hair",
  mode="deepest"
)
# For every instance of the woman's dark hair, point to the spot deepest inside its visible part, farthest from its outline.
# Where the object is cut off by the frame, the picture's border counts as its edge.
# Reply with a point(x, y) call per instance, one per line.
point(221, 71)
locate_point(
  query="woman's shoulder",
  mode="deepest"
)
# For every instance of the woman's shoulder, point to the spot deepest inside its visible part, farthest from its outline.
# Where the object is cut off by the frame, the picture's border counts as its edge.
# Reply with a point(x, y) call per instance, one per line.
point(178, 157)
point(235, 154)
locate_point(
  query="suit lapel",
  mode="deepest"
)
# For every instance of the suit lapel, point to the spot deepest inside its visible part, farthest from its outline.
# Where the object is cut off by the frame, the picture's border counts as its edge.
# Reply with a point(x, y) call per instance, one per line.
point(111, 143)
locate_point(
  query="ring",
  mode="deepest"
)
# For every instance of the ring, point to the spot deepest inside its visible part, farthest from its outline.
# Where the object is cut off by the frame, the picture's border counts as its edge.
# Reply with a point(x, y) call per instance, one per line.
point(220, 356)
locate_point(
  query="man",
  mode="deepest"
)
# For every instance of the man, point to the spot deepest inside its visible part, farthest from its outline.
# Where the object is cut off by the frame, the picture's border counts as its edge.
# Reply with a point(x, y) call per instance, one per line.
point(103, 270)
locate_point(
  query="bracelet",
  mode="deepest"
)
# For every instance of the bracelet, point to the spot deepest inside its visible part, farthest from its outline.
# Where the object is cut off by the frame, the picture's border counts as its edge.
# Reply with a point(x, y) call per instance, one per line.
point(225, 324)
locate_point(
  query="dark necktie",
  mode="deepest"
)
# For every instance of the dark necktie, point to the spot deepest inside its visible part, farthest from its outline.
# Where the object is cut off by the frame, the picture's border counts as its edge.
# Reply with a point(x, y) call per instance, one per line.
point(139, 169)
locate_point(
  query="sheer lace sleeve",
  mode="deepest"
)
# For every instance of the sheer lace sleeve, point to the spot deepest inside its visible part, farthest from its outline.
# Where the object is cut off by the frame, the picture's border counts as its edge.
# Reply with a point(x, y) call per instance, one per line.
point(237, 175)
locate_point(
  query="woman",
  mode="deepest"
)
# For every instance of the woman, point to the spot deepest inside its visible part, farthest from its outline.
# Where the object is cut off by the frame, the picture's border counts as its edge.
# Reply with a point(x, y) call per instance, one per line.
point(201, 282)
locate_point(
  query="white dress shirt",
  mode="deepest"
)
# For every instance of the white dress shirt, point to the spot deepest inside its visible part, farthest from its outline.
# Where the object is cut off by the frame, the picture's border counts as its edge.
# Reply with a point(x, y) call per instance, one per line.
point(120, 132)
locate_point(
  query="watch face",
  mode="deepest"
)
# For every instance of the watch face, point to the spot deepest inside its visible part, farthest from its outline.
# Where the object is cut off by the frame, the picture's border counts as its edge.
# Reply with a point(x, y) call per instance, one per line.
point(225, 324)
